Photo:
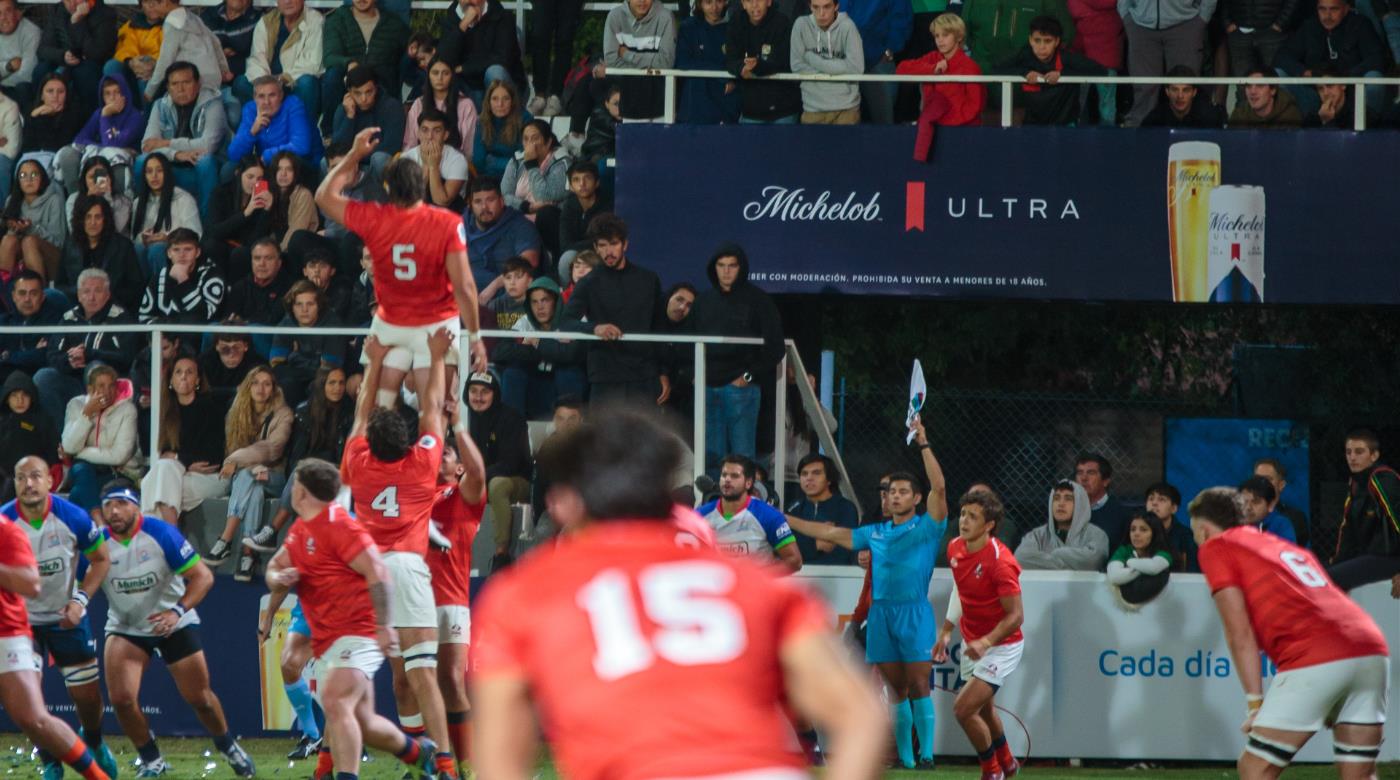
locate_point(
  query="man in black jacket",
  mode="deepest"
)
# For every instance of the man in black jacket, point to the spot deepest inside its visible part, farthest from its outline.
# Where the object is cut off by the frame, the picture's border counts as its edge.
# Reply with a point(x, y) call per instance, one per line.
point(1184, 106)
point(757, 45)
point(1338, 37)
point(733, 372)
point(1255, 30)
point(1043, 61)
point(79, 37)
point(619, 297)
point(31, 308)
point(502, 436)
point(1368, 541)
point(70, 354)
point(483, 46)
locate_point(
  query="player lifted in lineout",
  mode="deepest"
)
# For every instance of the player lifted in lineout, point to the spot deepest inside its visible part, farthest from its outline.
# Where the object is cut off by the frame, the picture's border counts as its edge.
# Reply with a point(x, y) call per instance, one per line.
point(986, 606)
point(1334, 666)
point(647, 657)
point(421, 277)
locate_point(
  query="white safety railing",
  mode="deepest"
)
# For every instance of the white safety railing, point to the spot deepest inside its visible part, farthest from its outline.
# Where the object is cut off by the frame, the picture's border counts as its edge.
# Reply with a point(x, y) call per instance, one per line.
point(1008, 84)
point(157, 330)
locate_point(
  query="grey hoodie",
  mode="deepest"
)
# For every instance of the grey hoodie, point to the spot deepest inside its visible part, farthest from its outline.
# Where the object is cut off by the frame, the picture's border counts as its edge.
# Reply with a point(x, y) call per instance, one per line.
point(46, 212)
point(1085, 547)
point(836, 50)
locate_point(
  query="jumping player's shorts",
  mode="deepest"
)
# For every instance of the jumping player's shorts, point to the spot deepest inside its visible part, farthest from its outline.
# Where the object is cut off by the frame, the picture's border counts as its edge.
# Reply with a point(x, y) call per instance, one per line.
point(174, 647)
point(1352, 690)
point(454, 624)
point(298, 624)
point(900, 631)
point(411, 342)
point(17, 655)
point(350, 652)
point(68, 646)
point(995, 665)
point(412, 605)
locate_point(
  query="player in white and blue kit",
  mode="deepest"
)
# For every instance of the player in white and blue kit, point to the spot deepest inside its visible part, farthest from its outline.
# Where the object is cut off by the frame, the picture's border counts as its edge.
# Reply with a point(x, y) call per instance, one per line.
point(901, 630)
point(746, 527)
point(62, 535)
point(155, 582)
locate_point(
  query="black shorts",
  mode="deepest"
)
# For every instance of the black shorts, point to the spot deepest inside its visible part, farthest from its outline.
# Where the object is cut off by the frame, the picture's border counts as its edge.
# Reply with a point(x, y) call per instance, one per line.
point(178, 646)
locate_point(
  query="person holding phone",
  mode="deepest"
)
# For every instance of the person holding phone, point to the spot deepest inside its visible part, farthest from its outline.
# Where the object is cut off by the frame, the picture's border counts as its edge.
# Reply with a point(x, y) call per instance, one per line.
point(34, 225)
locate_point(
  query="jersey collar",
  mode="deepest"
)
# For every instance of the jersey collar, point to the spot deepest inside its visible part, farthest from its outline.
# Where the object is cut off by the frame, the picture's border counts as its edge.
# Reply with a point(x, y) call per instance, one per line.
point(742, 506)
point(37, 524)
point(135, 529)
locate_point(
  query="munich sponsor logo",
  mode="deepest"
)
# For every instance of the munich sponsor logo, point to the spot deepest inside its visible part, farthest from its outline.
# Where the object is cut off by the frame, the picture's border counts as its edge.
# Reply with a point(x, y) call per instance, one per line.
point(796, 204)
point(134, 584)
point(738, 548)
point(50, 566)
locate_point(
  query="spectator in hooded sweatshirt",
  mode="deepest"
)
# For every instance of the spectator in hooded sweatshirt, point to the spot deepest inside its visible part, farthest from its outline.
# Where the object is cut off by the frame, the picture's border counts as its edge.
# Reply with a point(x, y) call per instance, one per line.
point(1339, 37)
point(1098, 35)
point(24, 429)
point(1161, 35)
point(113, 131)
point(884, 27)
point(1067, 541)
point(947, 103)
point(1043, 61)
point(734, 373)
point(758, 45)
point(1184, 105)
point(826, 41)
point(535, 371)
point(640, 34)
point(700, 46)
point(502, 436)
point(32, 308)
point(1265, 107)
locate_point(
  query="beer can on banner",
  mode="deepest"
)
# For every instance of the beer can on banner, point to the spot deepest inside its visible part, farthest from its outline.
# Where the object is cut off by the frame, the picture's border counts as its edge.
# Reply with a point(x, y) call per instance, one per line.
point(1237, 244)
point(1193, 170)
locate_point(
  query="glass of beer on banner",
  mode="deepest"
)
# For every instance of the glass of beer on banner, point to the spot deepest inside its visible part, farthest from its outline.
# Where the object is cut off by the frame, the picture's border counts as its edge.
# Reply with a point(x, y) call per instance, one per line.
point(1236, 250)
point(1193, 170)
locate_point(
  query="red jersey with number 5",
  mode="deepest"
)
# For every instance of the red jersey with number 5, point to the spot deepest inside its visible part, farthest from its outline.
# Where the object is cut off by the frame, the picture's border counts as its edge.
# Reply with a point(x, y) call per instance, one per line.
point(984, 578)
point(394, 500)
point(452, 569)
point(14, 551)
point(1299, 617)
point(646, 658)
point(409, 248)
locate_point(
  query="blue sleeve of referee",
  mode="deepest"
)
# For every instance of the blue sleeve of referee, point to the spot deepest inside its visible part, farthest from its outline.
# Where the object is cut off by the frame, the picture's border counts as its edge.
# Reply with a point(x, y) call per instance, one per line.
point(860, 537)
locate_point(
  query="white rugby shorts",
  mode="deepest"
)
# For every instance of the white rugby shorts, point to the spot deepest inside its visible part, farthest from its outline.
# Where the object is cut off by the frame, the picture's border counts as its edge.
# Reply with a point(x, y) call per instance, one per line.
point(409, 343)
point(995, 665)
point(412, 603)
point(1310, 698)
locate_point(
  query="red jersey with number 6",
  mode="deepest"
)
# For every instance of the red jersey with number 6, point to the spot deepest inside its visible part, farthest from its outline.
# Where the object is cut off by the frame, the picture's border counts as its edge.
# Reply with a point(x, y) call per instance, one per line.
point(14, 551)
point(409, 248)
point(646, 658)
point(1299, 617)
point(394, 500)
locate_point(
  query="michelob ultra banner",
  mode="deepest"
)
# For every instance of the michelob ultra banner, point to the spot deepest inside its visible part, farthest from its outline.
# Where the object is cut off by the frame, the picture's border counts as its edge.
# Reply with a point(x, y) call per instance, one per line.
point(1041, 213)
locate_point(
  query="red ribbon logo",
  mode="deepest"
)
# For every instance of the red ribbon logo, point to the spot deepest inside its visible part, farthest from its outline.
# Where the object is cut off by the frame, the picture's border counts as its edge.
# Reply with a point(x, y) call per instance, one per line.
point(914, 206)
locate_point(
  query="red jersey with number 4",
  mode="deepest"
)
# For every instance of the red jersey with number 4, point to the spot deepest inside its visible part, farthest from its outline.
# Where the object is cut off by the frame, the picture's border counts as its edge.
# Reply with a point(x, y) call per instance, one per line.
point(334, 597)
point(647, 659)
point(14, 551)
point(409, 248)
point(452, 569)
point(984, 578)
point(1299, 617)
point(394, 500)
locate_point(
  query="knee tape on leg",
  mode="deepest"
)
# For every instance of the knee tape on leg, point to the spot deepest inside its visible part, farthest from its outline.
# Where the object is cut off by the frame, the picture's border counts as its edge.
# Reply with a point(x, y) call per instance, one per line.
point(399, 358)
point(411, 721)
point(420, 656)
point(1344, 753)
point(1274, 752)
point(385, 398)
point(82, 674)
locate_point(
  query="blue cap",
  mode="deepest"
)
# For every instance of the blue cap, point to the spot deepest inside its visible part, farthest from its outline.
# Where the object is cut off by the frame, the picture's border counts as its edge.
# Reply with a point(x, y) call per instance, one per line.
point(121, 494)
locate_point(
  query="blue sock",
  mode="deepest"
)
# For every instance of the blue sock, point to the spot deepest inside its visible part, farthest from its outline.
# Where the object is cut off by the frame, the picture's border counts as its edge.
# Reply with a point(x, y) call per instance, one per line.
point(299, 694)
point(320, 715)
point(223, 742)
point(904, 733)
point(924, 720)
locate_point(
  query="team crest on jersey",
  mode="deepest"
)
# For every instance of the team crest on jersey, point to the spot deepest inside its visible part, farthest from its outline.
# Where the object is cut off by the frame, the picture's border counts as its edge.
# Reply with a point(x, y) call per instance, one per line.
point(977, 572)
point(427, 442)
point(143, 556)
point(52, 540)
point(310, 546)
point(953, 562)
point(455, 631)
point(12, 659)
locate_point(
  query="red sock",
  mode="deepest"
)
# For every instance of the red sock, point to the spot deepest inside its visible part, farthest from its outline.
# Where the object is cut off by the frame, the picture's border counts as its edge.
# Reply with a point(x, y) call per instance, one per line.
point(444, 762)
point(324, 763)
point(80, 759)
point(988, 760)
point(414, 731)
point(459, 731)
point(1003, 751)
point(411, 752)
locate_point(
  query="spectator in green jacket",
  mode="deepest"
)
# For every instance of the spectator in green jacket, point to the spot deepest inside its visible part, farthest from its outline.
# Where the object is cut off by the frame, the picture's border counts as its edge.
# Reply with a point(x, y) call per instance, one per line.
point(344, 47)
point(997, 29)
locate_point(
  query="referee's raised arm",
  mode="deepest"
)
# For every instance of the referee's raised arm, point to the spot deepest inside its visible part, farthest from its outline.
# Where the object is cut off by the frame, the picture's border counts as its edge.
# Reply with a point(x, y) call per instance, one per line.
point(937, 505)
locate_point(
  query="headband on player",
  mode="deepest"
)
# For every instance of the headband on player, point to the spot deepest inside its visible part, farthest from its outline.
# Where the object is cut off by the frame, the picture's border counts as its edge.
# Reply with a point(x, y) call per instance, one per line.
point(121, 494)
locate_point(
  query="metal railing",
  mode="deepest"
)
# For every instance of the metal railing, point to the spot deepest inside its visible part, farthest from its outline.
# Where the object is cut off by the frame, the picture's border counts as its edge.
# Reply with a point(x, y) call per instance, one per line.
point(157, 330)
point(1008, 83)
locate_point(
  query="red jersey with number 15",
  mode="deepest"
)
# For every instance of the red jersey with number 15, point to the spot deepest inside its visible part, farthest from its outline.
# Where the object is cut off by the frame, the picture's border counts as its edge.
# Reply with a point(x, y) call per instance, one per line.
point(14, 551)
point(452, 569)
point(333, 597)
point(646, 658)
point(984, 578)
point(394, 500)
point(1299, 617)
point(409, 248)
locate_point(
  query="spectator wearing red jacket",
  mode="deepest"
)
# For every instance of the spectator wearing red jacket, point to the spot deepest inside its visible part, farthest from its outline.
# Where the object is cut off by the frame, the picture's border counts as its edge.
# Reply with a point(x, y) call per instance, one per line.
point(1098, 35)
point(946, 103)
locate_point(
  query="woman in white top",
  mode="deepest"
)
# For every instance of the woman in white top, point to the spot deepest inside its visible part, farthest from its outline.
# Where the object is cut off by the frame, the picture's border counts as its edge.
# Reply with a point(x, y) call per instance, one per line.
point(160, 208)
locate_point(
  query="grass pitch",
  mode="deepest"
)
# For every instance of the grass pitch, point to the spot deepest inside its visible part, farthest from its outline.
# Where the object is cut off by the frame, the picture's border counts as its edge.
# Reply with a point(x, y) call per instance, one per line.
point(196, 758)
